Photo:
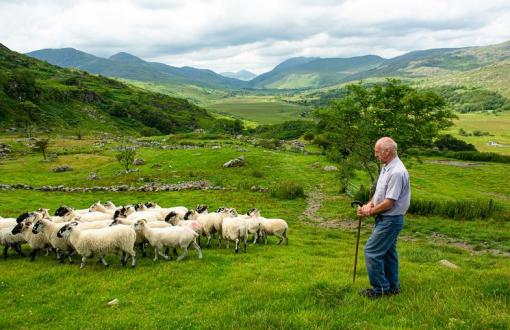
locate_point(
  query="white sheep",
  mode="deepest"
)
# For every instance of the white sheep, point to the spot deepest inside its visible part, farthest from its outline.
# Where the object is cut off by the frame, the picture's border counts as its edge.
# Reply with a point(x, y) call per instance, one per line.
point(253, 224)
point(101, 242)
point(180, 210)
point(211, 223)
point(174, 219)
point(36, 241)
point(68, 214)
point(50, 229)
point(171, 237)
point(130, 213)
point(98, 207)
point(8, 239)
point(276, 227)
point(235, 229)
point(140, 239)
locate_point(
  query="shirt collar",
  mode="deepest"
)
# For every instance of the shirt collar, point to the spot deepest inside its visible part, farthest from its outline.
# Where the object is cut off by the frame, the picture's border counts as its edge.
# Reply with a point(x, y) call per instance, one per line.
point(391, 164)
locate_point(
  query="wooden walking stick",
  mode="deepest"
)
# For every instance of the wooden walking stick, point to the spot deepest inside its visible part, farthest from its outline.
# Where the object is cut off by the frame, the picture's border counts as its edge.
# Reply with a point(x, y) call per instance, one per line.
point(357, 241)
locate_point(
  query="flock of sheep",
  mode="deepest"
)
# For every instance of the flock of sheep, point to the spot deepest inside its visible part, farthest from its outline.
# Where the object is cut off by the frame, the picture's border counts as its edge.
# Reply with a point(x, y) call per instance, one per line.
point(105, 229)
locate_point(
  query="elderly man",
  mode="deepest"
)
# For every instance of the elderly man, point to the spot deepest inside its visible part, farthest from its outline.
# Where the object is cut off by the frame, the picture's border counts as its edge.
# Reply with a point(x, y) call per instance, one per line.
point(389, 204)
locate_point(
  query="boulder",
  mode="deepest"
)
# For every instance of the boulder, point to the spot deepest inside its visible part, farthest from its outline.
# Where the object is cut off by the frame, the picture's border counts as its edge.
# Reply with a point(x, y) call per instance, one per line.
point(237, 162)
point(138, 162)
point(330, 168)
point(62, 168)
point(448, 264)
point(92, 176)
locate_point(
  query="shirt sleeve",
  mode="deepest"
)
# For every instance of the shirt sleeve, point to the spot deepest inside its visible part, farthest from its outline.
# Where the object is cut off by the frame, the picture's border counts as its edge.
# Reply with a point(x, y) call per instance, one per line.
point(395, 186)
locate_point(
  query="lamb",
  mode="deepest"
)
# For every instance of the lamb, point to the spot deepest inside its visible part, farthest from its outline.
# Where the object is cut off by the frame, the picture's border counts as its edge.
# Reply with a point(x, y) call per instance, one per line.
point(101, 242)
point(276, 227)
point(8, 239)
point(36, 241)
point(171, 237)
point(140, 239)
point(235, 229)
point(211, 223)
point(50, 229)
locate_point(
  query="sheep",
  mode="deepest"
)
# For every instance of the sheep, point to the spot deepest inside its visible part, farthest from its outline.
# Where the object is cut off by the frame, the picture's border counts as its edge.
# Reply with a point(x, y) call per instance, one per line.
point(101, 242)
point(253, 223)
point(180, 210)
point(8, 239)
point(211, 223)
point(36, 241)
point(109, 205)
point(7, 223)
point(69, 214)
point(130, 213)
point(98, 207)
point(50, 229)
point(172, 237)
point(63, 209)
point(276, 227)
point(140, 239)
point(174, 219)
point(234, 229)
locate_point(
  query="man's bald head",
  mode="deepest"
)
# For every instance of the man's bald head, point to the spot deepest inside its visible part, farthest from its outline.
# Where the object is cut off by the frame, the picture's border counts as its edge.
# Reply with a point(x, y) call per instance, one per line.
point(385, 149)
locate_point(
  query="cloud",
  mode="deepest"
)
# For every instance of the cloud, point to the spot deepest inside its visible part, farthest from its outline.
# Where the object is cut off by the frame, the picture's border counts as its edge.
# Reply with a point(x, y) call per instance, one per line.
point(229, 35)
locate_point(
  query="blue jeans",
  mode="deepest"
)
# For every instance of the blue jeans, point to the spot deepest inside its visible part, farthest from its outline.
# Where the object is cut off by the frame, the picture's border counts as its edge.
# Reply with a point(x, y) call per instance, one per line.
point(381, 256)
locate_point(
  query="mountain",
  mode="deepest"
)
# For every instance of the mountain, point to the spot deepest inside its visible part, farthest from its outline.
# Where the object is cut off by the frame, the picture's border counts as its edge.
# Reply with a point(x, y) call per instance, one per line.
point(312, 72)
point(33, 92)
point(241, 75)
point(124, 65)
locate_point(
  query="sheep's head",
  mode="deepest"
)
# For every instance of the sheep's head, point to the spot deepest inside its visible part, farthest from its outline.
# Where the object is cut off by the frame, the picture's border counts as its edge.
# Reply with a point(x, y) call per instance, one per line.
point(171, 218)
point(110, 205)
point(66, 229)
point(190, 214)
point(151, 205)
point(44, 212)
point(201, 208)
point(253, 212)
point(139, 224)
point(61, 211)
point(95, 207)
point(127, 210)
point(37, 227)
point(29, 216)
point(232, 211)
point(221, 209)
point(20, 227)
point(140, 207)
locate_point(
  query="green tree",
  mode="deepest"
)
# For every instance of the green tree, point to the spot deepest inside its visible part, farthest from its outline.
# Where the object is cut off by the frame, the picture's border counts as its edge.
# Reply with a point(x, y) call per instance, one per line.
point(351, 125)
point(41, 145)
point(126, 156)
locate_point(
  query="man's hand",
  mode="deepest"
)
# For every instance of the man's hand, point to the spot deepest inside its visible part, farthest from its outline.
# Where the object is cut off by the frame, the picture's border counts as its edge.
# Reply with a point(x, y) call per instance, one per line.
point(365, 210)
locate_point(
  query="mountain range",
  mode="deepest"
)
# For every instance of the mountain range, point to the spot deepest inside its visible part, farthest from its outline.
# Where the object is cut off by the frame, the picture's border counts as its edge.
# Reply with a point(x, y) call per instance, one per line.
point(294, 73)
point(241, 75)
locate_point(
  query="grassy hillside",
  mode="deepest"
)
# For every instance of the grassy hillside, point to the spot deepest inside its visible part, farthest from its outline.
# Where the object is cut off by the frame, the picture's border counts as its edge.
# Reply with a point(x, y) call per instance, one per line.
point(307, 284)
point(32, 91)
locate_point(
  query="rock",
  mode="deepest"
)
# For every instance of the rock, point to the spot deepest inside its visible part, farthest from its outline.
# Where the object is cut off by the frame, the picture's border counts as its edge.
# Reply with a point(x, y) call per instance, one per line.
point(216, 147)
point(315, 165)
point(448, 264)
point(242, 150)
point(62, 168)
point(92, 176)
point(330, 168)
point(139, 161)
point(113, 302)
point(237, 162)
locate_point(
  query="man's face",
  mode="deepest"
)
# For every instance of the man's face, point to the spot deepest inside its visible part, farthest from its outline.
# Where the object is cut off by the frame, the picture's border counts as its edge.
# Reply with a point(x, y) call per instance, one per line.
point(381, 154)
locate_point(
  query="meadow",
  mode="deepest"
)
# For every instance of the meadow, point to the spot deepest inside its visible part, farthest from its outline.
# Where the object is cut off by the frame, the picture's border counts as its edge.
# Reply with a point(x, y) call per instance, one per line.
point(307, 284)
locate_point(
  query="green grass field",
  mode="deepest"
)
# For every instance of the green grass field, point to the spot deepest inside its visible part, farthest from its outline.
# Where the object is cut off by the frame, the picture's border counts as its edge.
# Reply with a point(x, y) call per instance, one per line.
point(307, 284)
point(263, 110)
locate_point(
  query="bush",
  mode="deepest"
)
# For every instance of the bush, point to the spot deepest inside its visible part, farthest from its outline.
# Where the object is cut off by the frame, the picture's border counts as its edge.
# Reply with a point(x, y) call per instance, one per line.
point(150, 131)
point(308, 136)
point(459, 209)
point(287, 190)
point(448, 142)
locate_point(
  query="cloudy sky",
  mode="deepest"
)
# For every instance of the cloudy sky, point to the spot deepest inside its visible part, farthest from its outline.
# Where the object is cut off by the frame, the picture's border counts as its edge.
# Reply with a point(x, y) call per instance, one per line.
point(230, 35)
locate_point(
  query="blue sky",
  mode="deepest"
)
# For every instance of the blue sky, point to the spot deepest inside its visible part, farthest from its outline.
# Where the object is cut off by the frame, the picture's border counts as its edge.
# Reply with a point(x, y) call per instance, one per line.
point(254, 35)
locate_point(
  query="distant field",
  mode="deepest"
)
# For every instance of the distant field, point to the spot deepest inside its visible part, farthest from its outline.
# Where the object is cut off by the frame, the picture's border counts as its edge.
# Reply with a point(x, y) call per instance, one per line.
point(258, 109)
point(497, 125)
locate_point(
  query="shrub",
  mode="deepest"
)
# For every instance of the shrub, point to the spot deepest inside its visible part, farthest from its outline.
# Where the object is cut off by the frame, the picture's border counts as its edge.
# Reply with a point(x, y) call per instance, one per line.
point(448, 142)
point(150, 131)
point(287, 190)
point(126, 156)
point(458, 209)
point(308, 136)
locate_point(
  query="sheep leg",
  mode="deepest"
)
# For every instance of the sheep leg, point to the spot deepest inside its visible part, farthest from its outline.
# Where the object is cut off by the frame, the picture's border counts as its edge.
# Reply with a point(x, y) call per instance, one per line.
point(237, 245)
point(175, 252)
point(83, 260)
point(123, 258)
point(6, 248)
point(33, 254)
point(156, 252)
point(219, 240)
point(245, 241)
point(131, 253)
point(197, 247)
point(166, 257)
point(199, 241)
point(208, 240)
point(183, 254)
point(69, 257)
point(103, 261)
point(17, 248)
point(142, 247)
point(255, 237)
